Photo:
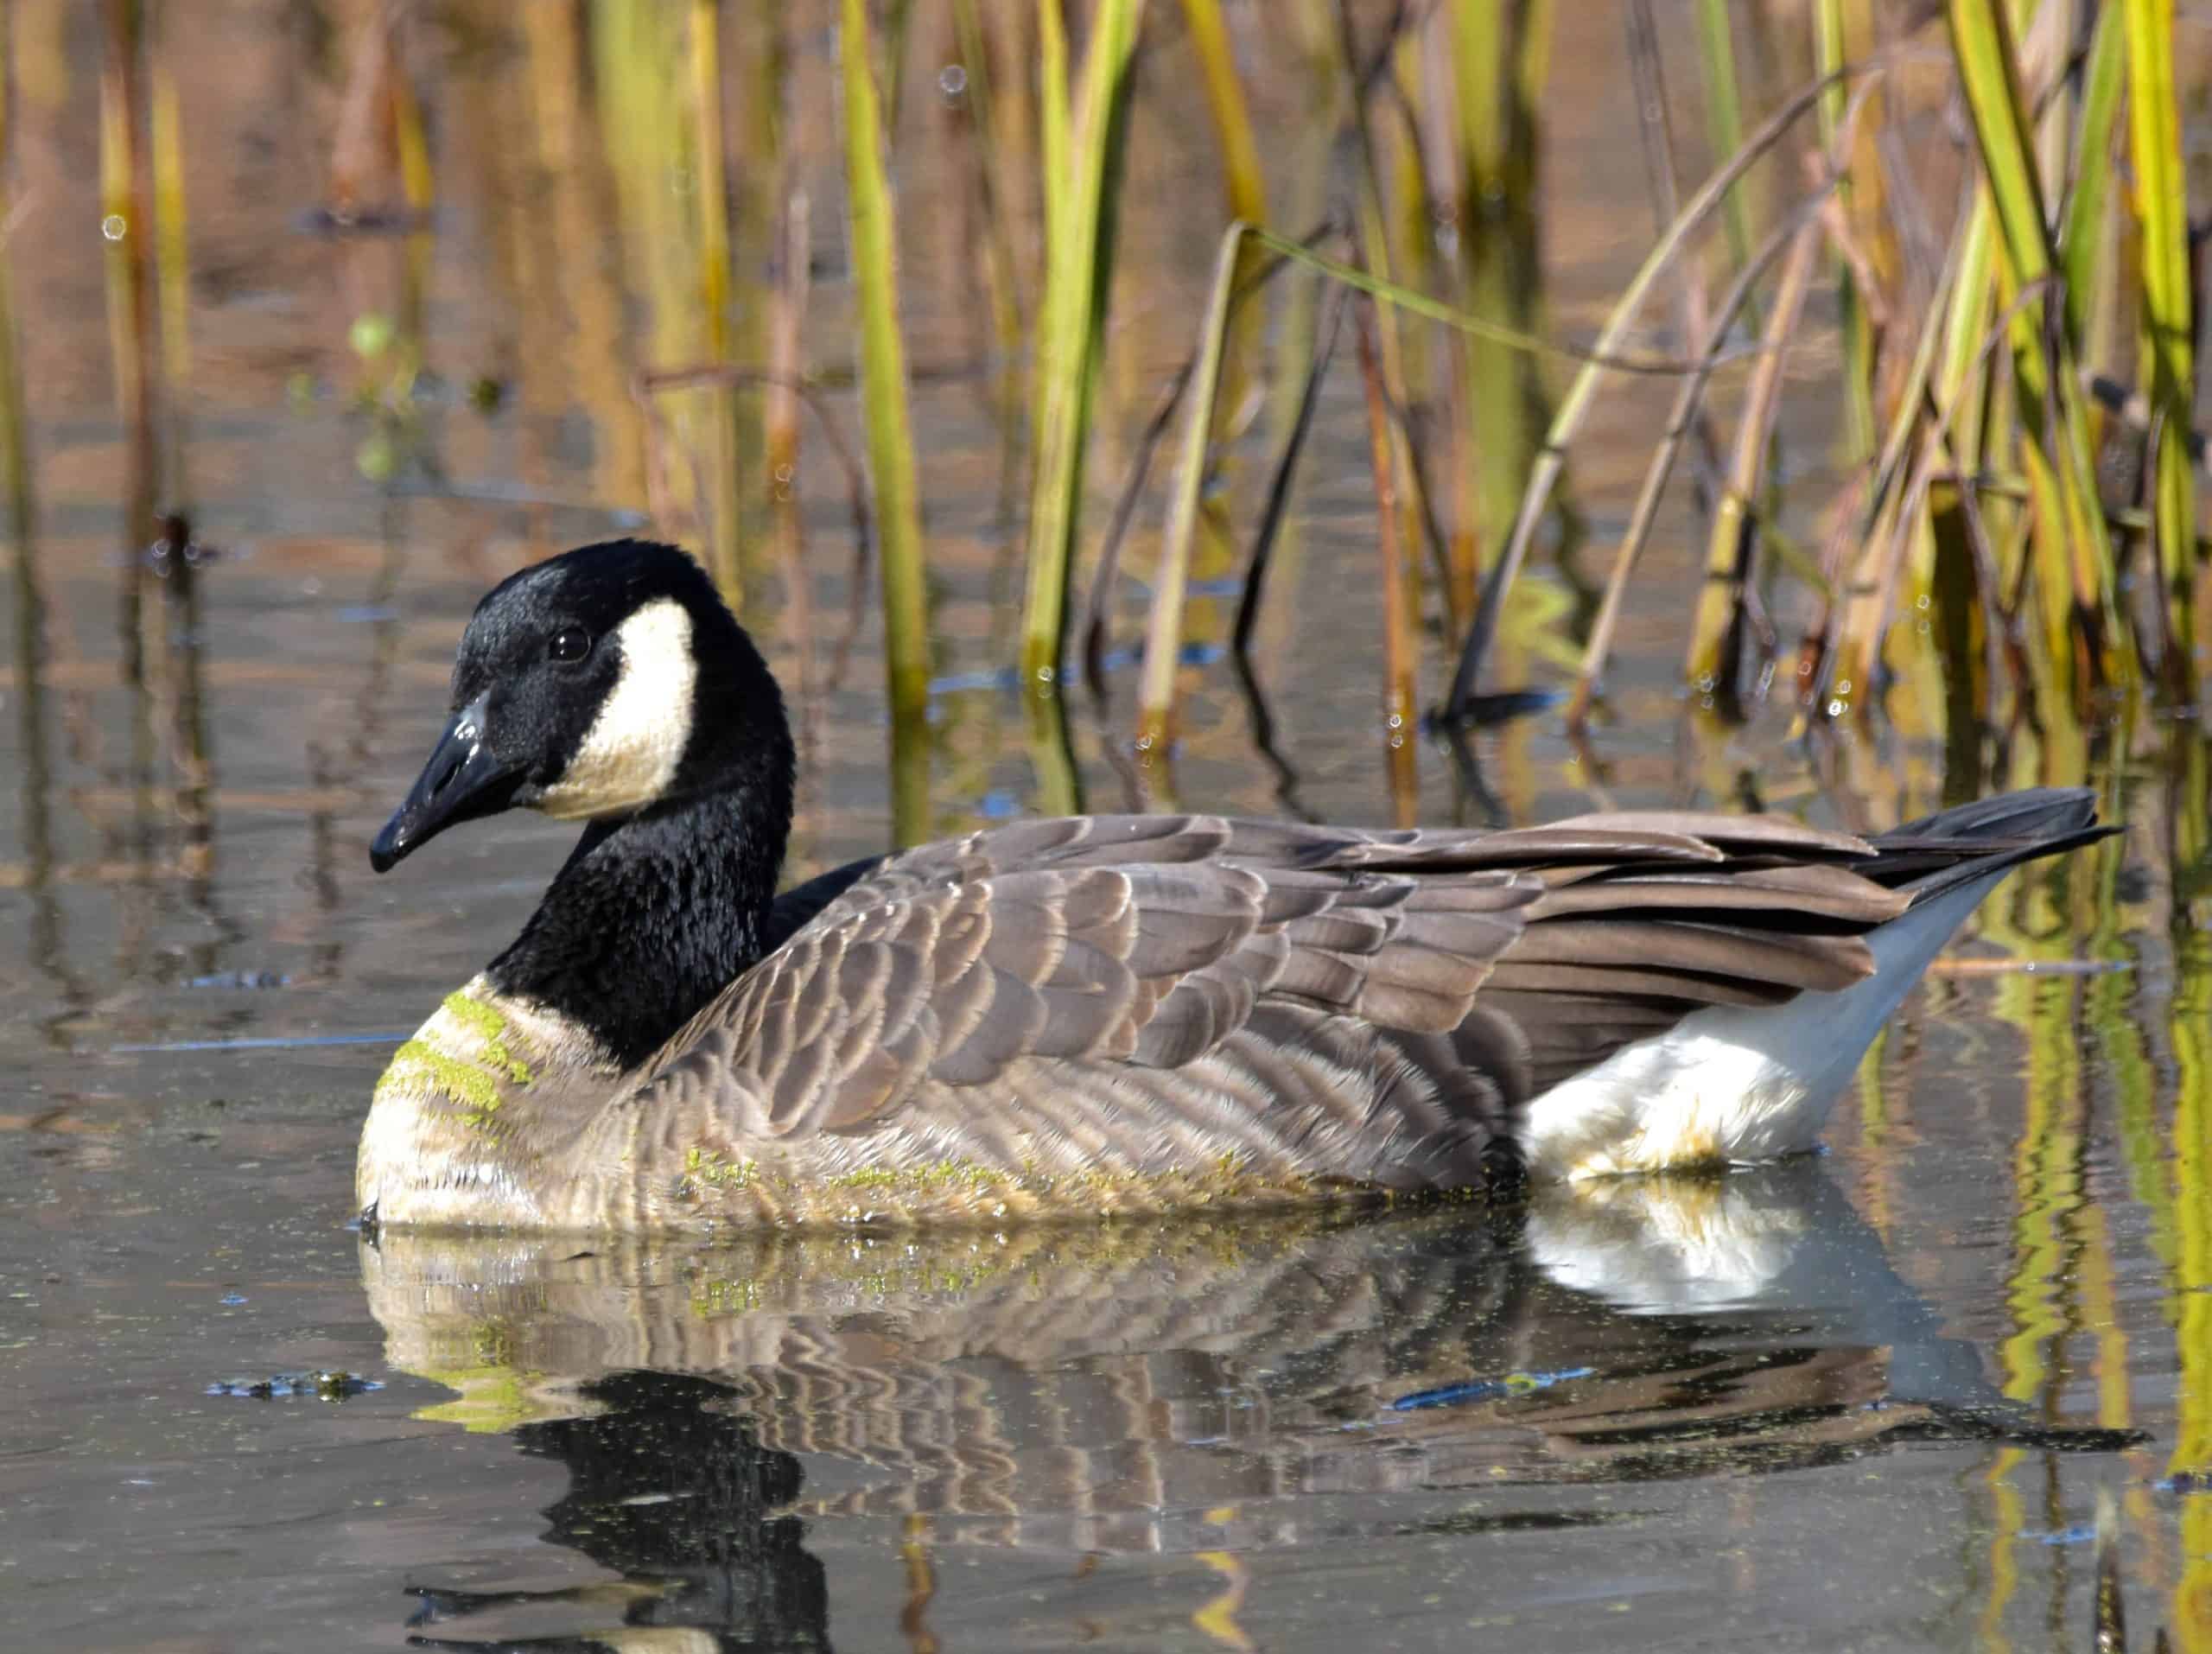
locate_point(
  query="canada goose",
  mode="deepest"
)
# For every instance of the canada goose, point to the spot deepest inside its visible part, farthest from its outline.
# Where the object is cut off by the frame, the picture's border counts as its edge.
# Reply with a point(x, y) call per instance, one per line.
point(1109, 1013)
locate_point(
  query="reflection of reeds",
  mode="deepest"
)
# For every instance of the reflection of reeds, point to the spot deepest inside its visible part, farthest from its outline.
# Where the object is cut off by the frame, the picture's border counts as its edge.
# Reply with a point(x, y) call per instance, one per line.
point(1400, 696)
point(1500, 62)
point(167, 151)
point(28, 611)
point(125, 227)
point(1244, 189)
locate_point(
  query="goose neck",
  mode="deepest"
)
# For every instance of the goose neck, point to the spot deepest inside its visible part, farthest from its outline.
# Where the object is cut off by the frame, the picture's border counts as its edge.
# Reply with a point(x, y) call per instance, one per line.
point(651, 917)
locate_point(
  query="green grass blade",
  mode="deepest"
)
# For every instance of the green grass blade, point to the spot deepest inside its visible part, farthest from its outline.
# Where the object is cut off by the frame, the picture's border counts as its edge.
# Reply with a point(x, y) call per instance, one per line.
point(1724, 112)
point(1232, 121)
point(2073, 549)
point(890, 436)
point(1081, 149)
point(1478, 36)
point(1420, 304)
point(2162, 202)
point(1964, 317)
point(2082, 239)
point(1832, 34)
point(1988, 71)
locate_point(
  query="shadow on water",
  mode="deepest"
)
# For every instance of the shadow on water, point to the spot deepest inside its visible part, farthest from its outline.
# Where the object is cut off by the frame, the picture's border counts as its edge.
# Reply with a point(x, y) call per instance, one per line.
point(1175, 1389)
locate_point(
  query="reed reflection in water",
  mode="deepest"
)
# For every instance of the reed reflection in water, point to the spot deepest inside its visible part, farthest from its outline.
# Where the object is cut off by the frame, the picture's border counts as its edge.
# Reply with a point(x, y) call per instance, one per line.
point(1171, 1389)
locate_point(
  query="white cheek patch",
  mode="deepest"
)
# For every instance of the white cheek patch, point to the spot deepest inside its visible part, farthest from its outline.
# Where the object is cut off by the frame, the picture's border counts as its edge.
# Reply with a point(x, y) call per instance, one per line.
point(630, 754)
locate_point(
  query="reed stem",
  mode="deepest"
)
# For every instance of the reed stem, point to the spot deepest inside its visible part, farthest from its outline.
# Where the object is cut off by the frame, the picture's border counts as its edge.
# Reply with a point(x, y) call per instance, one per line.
point(1163, 636)
point(1083, 148)
point(890, 434)
point(2169, 301)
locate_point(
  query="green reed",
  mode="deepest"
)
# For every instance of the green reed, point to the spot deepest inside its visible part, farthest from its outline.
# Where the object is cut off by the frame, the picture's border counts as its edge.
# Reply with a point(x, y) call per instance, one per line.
point(1164, 637)
point(2168, 300)
point(890, 433)
point(1964, 493)
point(1975, 379)
point(723, 461)
point(1081, 145)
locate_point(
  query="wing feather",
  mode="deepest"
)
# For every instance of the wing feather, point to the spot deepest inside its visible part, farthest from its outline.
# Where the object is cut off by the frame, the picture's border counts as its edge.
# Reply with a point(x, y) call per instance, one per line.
point(1151, 939)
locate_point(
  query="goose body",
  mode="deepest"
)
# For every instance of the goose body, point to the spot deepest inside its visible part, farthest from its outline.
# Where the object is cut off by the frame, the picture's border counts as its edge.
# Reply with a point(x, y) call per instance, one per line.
point(1096, 1014)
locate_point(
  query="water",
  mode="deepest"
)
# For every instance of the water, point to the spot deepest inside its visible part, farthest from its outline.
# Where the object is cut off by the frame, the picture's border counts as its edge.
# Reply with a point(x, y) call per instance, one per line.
point(1868, 1400)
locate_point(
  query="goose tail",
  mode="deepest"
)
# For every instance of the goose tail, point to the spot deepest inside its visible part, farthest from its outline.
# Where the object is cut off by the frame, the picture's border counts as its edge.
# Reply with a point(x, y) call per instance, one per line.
point(1974, 843)
point(1751, 1083)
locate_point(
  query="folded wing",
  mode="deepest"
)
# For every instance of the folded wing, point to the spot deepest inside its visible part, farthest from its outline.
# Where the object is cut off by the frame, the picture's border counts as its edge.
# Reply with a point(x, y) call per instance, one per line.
point(1149, 939)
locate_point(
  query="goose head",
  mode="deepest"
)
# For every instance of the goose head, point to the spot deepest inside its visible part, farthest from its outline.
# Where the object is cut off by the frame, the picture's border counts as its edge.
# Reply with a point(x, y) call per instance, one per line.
point(597, 686)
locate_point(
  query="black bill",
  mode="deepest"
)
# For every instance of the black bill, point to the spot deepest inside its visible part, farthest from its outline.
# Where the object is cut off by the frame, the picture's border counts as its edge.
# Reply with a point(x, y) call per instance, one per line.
point(463, 781)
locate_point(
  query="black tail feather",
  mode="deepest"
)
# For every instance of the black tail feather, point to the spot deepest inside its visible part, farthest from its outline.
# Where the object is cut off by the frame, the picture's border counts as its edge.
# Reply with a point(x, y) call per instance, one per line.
point(1979, 840)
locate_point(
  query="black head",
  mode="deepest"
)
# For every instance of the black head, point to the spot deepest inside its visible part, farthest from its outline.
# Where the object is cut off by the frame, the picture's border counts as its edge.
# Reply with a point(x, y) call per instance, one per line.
point(594, 686)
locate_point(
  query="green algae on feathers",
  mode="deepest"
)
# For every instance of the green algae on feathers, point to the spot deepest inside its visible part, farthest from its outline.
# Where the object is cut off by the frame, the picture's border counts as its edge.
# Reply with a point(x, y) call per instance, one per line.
point(489, 1026)
point(475, 1083)
point(716, 1170)
point(772, 1195)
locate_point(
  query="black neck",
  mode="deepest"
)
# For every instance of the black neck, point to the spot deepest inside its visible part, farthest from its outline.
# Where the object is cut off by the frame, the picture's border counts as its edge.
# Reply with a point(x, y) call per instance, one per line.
point(653, 916)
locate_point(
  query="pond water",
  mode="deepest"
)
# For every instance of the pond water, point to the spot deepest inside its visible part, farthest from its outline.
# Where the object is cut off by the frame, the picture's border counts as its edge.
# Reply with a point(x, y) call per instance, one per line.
point(1869, 1400)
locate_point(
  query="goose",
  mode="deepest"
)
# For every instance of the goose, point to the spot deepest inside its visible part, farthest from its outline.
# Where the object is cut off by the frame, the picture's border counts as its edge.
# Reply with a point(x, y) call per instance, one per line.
point(1084, 1015)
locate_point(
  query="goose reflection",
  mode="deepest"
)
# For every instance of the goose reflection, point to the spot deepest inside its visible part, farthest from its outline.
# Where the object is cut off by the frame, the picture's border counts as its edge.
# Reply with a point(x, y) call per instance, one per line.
point(673, 1493)
point(1192, 1386)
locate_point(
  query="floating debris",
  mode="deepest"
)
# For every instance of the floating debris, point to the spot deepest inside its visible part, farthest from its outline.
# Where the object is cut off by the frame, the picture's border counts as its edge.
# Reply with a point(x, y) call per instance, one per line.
point(1483, 1390)
point(333, 1385)
point(242, 981)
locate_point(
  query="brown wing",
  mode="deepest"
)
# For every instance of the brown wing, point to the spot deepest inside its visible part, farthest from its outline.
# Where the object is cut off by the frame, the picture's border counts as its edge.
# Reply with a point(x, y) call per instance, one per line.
point(1148, 939)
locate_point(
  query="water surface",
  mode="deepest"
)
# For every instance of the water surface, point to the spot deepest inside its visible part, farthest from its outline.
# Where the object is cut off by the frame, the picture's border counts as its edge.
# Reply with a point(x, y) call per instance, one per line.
point(1867, 1400)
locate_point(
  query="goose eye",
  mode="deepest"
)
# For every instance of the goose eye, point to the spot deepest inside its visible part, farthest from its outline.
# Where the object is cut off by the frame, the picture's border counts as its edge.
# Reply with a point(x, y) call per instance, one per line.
point(570, 643)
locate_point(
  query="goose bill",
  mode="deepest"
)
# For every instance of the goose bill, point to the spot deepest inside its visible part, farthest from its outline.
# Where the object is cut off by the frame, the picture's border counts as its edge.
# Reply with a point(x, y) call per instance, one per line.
point(463, 780)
